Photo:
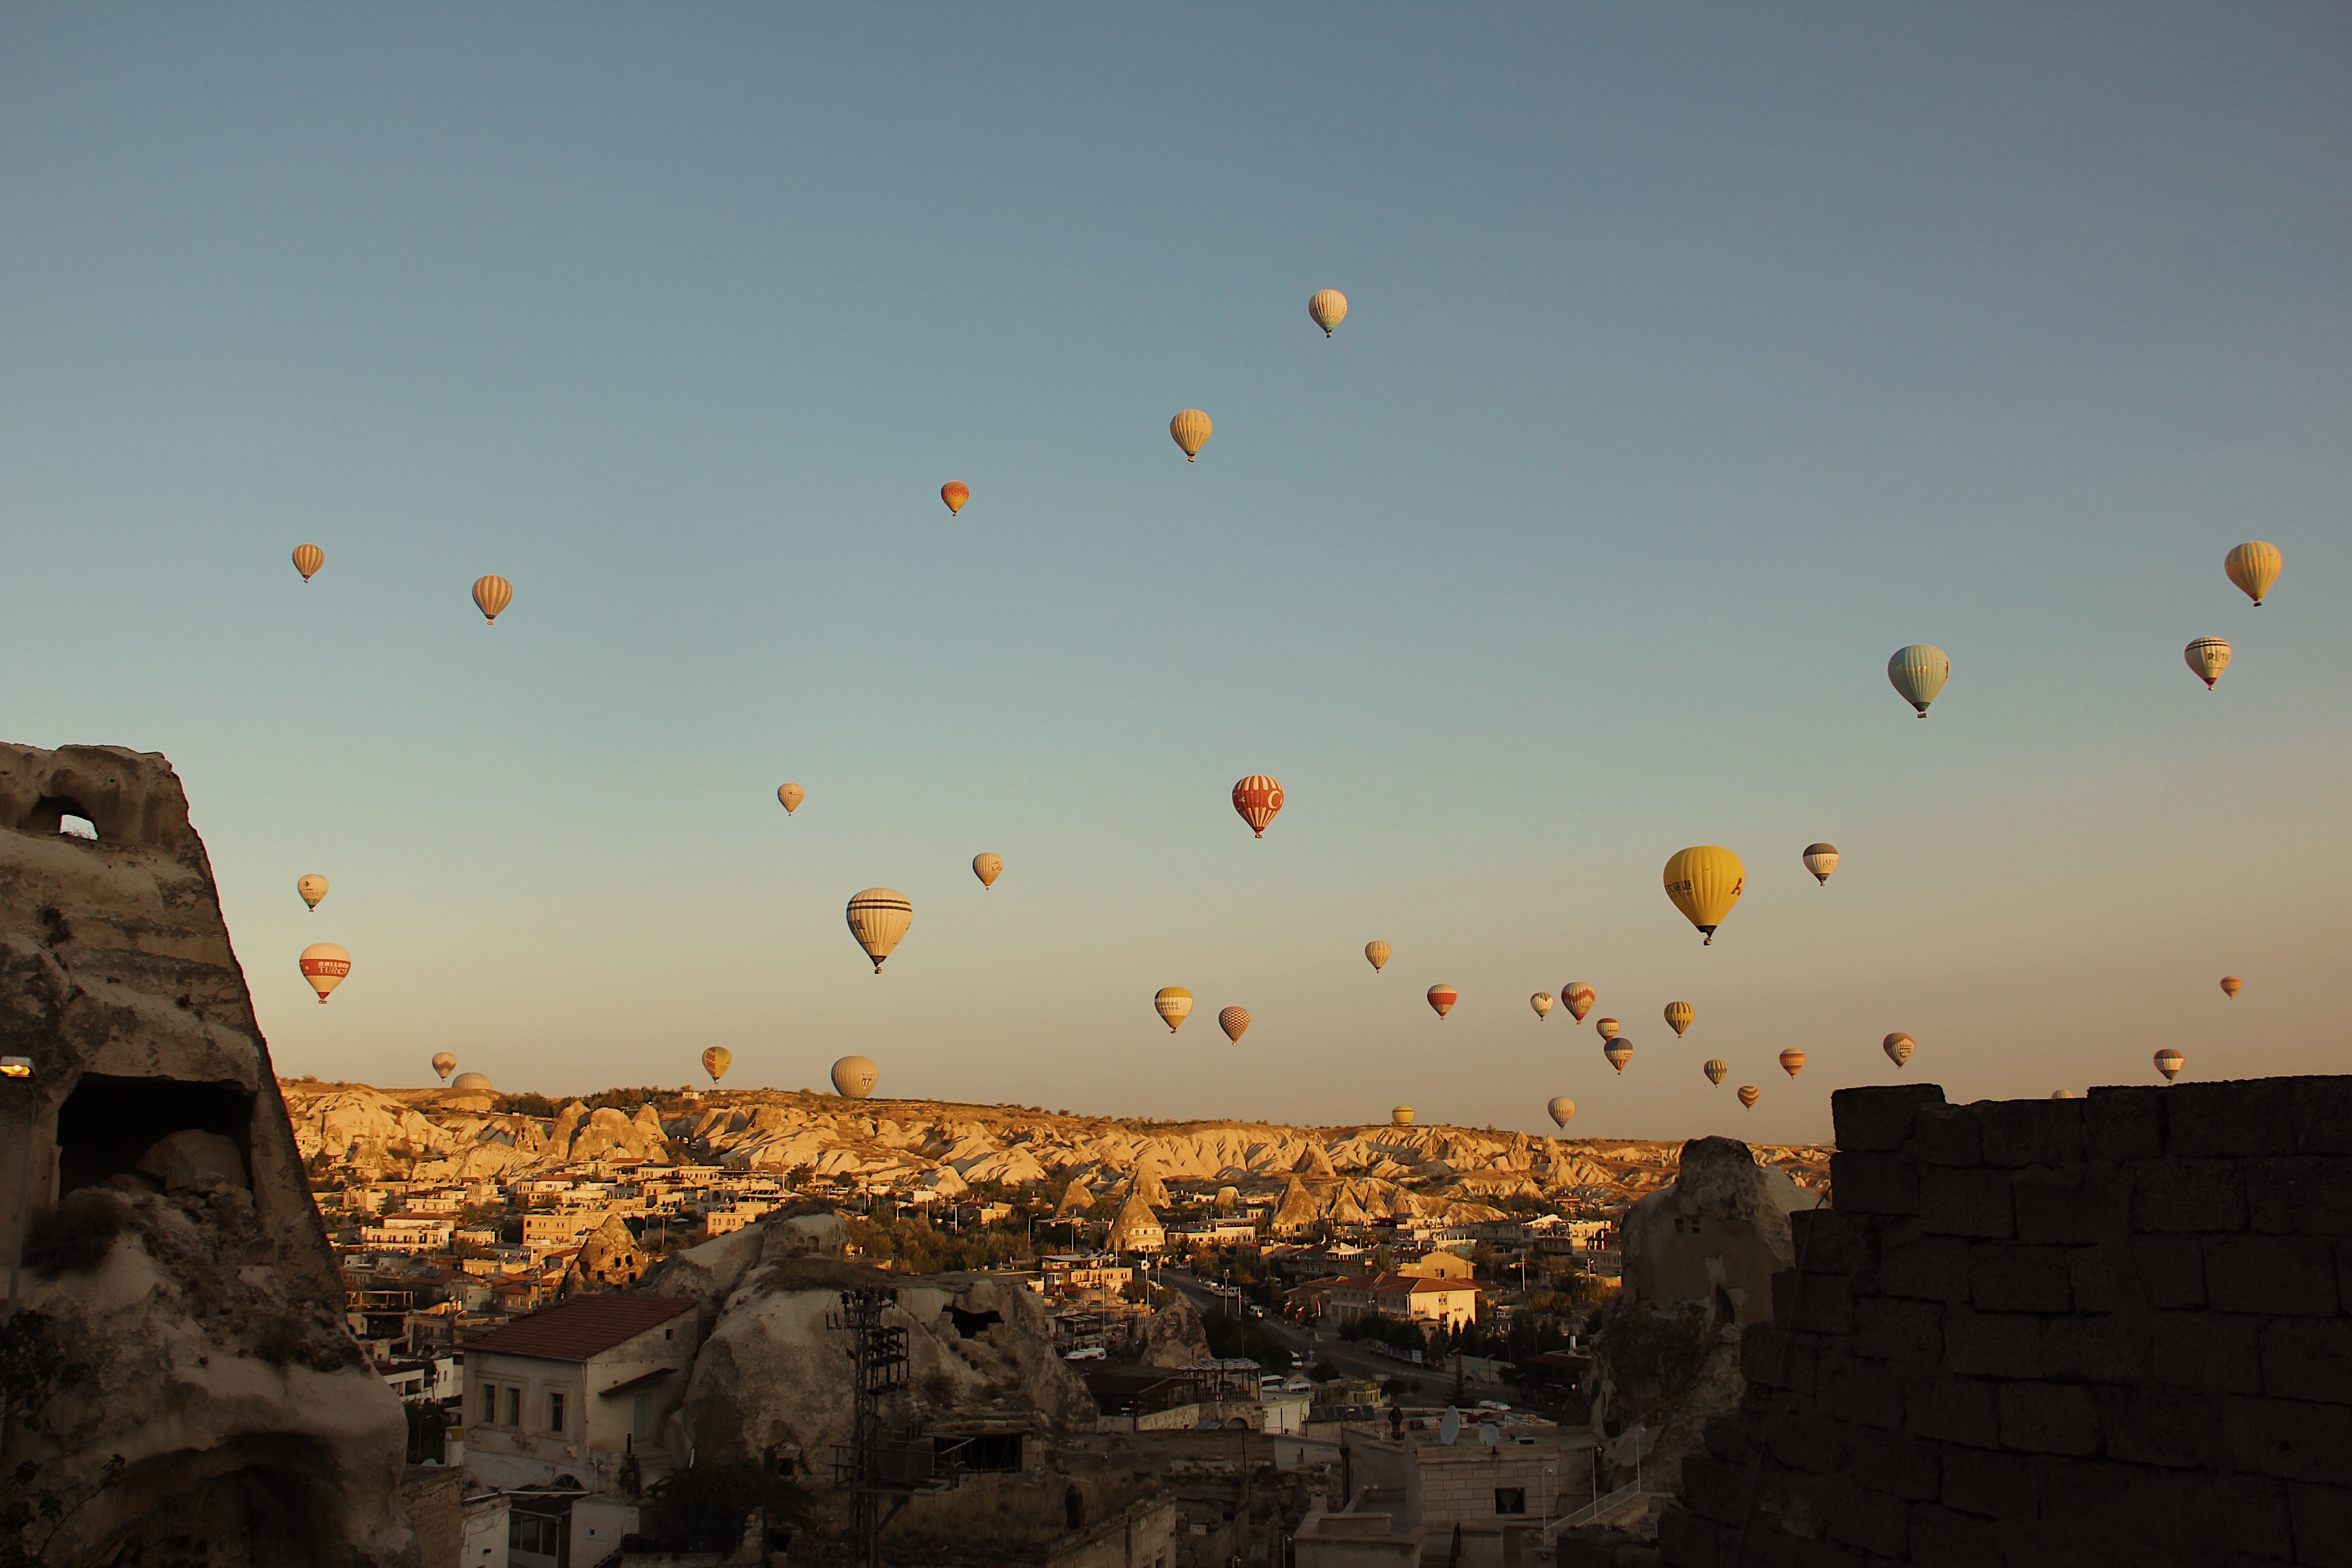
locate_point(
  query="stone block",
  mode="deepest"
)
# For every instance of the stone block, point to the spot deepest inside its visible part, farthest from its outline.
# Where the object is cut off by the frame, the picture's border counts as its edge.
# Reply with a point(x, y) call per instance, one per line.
point(2020, 1132)
point(1812, 1303)
point(2230, 1119)
point(2108, 1506)
point(2322, 1521)
point(1714, 1489)
point(1828, 1242)
point(1867, 1393)
point(1952, 1410)
point(2091, 1276)
point(1946, 1135)
point(1870, 1521)
point(2170, 1270)
point(1932, 1268)
point(1996, 1485)
point(1687, 1541)
point(2094, 1349)
point(1892, 1328)
point(1865, 1182)
point(2019, 1278)
point(1878, 1118)
point(2309, 1194)
point(2309, 1357)
point(2163, 1426)
point(1992, 1344)
point(2293, 1439)
point(2065, 1208)
point(1771, 1357)
point(2256, 1508)
point(2049, 1418)
point(1812, 1443)
point(1941, 1538)
point(1899, 1465)
point(2125, 1123)
point(1730, 1437)
point(2212, 1352)
point(1965, 1203)
point(2323, 1114)
point(2195, 1197)
point(2291, 1275)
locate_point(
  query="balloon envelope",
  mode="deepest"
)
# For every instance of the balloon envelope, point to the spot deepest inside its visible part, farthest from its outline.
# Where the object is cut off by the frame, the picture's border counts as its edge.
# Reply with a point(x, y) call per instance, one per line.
point(1541, 1001)
point(1919, 672)
point(492, 596)
point(1705, 881)
point(853, 1077)
point(2254, 567)
point(1898, 1046)
point(1257, 798)
point(1578, 998)
point(1715, 1072)
point(1234, 1021)
point(987, 868)
point(1607, 1027)
point(2207, 658)
point(1793, 1061)
point(1328, 309)
point(1401, 1116)
point(1174, 1004)
point(955, 493)
point(790, 796)
point(879, 918)
point(1561, 1110)
point(1679, 1016)
point(313, 887)
point(1378, 954)
point(308, 559)
point(1443, 999)
point(325, 966)
point(1821, 859)
point(2169, 1064)
point(444, 1063)
point(716, 1060)
point(2232, 986)
point(1749, 1095)
point(1191, 430)
point(1618, 1051)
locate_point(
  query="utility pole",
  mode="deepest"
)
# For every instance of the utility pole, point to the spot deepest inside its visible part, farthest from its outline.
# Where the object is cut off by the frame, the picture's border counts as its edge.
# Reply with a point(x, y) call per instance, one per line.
point(878, 1355)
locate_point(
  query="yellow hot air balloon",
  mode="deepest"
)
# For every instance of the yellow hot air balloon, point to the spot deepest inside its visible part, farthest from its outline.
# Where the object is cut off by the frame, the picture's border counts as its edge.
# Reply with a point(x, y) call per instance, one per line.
point(1898, 1046)
point(325, 966)
point(308, 559)
point(955, 493)
point(1919, 672)
point(1679, 1016)
point(1793, 1061)
point(1401, 1116)
point(2065, 1094)
point(1715, 1072)
point(1561, 1110)
point(879, 918)
point(854, 1077)
point(1618, 1051)
point(1541, 1001)
point(2207, 658)
point(1749, 1095)
point(716, 1060)
point(1191, 429)
point(1328, 309)
point(444, 1064)
point(1234, 1021)
point(1378, 952)
point(790, 796)
point(2232, 986)
point(1821, 859)
point(1705, 881)
point(1174, 1004)
point(1578, 997)
point(313, 887)
point(491, 596)
point(2254, 567)
point(987, 868)
point(2170, 1062)
point(1607, 1027)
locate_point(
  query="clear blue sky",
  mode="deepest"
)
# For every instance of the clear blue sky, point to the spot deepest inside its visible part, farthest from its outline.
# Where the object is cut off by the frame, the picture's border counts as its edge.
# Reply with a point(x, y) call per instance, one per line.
point(1700, 357)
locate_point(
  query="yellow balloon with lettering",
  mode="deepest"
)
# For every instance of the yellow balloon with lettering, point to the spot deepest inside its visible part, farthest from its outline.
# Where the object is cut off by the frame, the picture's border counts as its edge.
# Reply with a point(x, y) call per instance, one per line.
point(1705, 881)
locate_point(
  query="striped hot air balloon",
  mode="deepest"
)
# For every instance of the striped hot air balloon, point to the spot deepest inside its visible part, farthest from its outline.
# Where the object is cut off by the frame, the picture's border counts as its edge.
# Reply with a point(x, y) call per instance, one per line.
point(1607, 1027)
point(1618, 1051)
point(1401, 1116)
point(1578, 998)
point(1898, 1047)
point(491, 596)
point(2254, 567)
point(955, 493)
point(1678, 1017)
point(1443, 999)
point(1919, 672)
point(1822, 860)
point(1191, 430)
point(879, 918)
point(1793, 1061)
point(2207, 658)
point(1257, 798)
point(1749, 1095)
point(1174, 1004)
point(987, 868)
point(854, 1077)
point(1377, 955)
point(325, 966)
point(1328, 309)
point(2232, 986)
point(2168, 1062)
point(1715, 1072)
point(308, 559)
point(1234, 1021)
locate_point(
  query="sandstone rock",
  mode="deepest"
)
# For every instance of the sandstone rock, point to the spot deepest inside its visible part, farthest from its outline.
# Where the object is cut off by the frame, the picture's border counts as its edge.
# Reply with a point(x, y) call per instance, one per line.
point(192, 1159)
point(1174, 1336)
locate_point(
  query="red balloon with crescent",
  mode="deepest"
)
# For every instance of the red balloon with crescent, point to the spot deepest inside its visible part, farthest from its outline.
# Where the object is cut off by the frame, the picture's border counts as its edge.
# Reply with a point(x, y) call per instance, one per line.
point(1257, 798)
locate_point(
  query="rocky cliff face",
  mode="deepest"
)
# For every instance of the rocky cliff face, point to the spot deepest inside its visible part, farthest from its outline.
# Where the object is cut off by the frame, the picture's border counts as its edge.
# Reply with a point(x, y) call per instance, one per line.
point(198, 1399)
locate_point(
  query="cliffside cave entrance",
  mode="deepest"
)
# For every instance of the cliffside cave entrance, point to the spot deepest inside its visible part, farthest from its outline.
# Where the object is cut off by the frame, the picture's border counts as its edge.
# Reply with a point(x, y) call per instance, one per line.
point(106, 1123)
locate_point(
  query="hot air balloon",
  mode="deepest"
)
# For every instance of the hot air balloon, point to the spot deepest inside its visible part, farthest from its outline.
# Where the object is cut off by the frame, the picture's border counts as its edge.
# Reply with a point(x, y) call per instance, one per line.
point(1898, 1046)
point(987, 868)
point(853, 1077)
point(313, 887)
point(2254, 567)
point(1705, 881)
point(878, 917)
point(1715, 1072)
point(1401, 1116)
point(491, 596)
point(1679, 1016)
point(1377, 953)
point(1561, 1109)
point(1191, 430)
point(1174, 1004)
point(791, 794)
point(716, 1060)
point(2208, 657)
point(1443, 999)
point(1919, 672)
point(1608, 1027)
point(1234, 1021)
point(1328, 309)
point(1793, 1061)
point(1749, 1095)
point(1257, 798)
point(2170, 1062)
point(444, 1064)
point(955, 493)
point(1541, 1003)
point(2232, 986)
point(1821, 859)
point(308, 559)
point(1618, 1051)
point(2065, 1094)
point(324, 965)
point(1578, 997)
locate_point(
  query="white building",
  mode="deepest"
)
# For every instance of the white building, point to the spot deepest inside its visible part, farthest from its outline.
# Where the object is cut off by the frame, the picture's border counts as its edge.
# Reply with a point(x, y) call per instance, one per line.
point(584, 1390)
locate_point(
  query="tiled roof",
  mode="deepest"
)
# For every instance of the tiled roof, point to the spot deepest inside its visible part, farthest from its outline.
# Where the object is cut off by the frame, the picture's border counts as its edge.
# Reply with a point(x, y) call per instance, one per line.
point(582, 1328)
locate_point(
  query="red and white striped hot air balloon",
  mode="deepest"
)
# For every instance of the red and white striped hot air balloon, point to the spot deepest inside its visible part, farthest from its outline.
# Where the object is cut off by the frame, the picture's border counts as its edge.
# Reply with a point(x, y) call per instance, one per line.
point(1443, 999)
point(1257, 798)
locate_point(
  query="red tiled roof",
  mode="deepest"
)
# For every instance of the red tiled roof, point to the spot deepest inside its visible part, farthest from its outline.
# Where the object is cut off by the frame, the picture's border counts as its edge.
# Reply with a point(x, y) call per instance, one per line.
point(580, 1329)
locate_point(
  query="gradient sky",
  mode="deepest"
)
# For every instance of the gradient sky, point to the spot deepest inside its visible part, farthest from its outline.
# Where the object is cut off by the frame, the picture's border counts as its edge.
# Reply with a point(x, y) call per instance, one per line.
point(1700, 357)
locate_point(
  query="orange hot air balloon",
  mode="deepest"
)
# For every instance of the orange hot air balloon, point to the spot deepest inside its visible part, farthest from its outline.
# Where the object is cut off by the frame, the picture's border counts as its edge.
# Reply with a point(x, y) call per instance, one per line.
point(1618, 1051)
point(988, 867)
point(1679, 1016)
point(790, 796)
point(1377, 955)
point(1608, 1027)
point(1793, 1061)
point(955, 493)
point(325, 966)
point(1257, 798)
point(1715, 1072)
point(491, 596)
point(2167, 1062)
point(1190, 429)
point(1898, 1046)
point(1234, 1021)
point(308, 559)
point(1443, 999)
point(1749, 1095)
point(2232, 986)
point(1578, 998)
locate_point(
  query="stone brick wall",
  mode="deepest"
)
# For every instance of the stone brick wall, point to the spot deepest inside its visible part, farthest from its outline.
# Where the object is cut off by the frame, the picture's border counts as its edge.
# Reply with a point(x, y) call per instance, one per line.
point(2114, 1330)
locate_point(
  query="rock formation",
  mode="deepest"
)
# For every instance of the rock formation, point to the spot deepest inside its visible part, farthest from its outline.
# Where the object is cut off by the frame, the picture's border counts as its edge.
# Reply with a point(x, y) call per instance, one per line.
point(178, 1279)
point(1174, 1336)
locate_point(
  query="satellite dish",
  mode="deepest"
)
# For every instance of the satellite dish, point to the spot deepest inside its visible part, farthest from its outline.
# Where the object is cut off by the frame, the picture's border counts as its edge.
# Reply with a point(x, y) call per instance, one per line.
point(1451, 1427)
point(1489, 1434)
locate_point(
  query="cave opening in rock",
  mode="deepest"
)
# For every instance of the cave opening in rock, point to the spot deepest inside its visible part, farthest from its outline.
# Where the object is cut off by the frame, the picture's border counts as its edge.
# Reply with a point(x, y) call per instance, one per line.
point(72, 826)
point(968, 1325)
point(108, 1123)
point(54, 812)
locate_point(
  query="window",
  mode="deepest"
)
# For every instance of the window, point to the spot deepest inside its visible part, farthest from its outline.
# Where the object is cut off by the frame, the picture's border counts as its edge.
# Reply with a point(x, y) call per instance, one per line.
point(490, 1406)
point(555, 1411)
point(1510, 1500)
point(529, 1533)
point(514, 1408)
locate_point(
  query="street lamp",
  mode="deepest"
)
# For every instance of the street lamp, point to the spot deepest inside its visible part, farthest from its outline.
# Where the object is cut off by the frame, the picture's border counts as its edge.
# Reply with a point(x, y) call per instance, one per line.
point(20, 1067)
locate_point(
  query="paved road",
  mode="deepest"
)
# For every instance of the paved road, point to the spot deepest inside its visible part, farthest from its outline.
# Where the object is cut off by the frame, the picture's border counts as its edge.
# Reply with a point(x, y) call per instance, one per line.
point(1311, 1347)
